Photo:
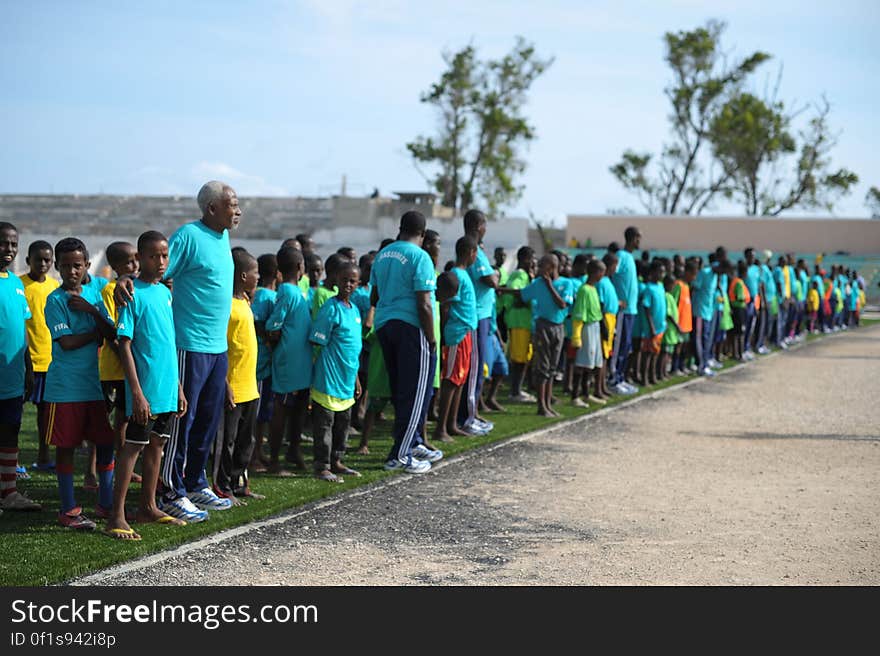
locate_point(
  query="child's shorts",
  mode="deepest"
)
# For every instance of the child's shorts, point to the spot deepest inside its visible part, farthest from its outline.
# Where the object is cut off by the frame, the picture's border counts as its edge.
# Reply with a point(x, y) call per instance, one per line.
point(266, 407)
point(140, 434)
point(669, 348)
point(608, 342)
point(548, 347)
point(10, 411)
point(290, 399)
point(739, 320)
point(589, 355)
point(652, 344)
point(496, 362)
point(520, 345)
point(68, 424)
point(36, 396)
point(457, 360)
point(114, 394)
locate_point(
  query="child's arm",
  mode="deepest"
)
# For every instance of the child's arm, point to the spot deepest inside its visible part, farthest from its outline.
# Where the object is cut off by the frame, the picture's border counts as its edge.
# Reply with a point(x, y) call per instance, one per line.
point(230, 398)
point(104, 327)
point(560, 302)
point(28, 373)
point(181, 401)
point(673, 322)
point(73, 342)
point(140, 410)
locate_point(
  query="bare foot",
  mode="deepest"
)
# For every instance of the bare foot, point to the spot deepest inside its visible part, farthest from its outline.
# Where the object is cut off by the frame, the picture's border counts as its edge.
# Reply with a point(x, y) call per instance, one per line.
point(447, 439)
point(455, 431)
point(275, 469)
point(363, 450)
point(494, 405)
point(544, 412)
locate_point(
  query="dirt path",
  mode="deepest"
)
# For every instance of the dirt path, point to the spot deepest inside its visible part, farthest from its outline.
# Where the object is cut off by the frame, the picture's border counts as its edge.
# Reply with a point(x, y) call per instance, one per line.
point(768, 475)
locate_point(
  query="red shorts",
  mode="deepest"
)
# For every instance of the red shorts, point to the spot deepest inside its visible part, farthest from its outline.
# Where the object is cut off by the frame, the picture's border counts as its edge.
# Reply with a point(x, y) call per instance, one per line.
point(457, 360)
point(652, 344)
point(68, 424)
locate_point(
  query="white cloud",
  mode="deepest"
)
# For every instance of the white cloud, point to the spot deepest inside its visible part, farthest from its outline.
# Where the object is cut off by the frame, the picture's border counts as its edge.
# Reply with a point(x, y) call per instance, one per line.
point(245, 184)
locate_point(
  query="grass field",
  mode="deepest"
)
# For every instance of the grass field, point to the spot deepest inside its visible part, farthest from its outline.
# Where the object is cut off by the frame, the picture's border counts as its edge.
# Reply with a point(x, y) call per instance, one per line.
point(35, 550)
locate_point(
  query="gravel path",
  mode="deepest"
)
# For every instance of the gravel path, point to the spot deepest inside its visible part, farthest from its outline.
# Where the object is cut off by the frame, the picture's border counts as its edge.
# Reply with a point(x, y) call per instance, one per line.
point(767, 475)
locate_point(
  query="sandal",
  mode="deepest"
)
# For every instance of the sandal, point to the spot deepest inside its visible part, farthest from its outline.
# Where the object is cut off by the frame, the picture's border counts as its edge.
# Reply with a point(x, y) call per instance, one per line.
point(122, 534)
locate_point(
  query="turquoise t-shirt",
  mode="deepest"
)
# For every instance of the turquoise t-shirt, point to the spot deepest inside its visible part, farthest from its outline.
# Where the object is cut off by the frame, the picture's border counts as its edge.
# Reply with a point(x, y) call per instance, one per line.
point(804, 278)
point(97, 283)
point(639, 324)
point(854, 296)
point(261, 306)
point(753, 280)
point(574, 284)
point(462, 316)
point(360, 298)
point(14, 311)
point(200, 264)
point(73, 375)
point(821, 285)
point(654, 302)
point(608, 296)
point(626, 282)
point(705, 287)
point(485, 295)
point(779, 279)
point(721, 292)
point(399, 271)
point(544, 307)
point(337, 330)
point(148, 321)
point(769, 282)
point(292, 355)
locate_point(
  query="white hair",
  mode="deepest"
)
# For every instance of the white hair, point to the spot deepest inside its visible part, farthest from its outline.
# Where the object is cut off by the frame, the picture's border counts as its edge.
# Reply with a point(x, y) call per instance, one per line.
point(211, 192)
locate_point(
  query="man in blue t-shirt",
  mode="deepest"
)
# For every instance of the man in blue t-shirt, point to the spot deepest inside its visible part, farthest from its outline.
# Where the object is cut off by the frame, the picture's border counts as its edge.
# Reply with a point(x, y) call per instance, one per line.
point(485, 280)
point(753, 284)
point(404, 281)
point(626, 284)
point(200, 264)
point(705, 290)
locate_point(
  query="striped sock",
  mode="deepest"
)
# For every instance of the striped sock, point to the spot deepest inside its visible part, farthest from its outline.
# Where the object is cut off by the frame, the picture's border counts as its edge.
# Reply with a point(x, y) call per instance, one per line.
point(65, 486)
point(8, 461)
point(104, 466)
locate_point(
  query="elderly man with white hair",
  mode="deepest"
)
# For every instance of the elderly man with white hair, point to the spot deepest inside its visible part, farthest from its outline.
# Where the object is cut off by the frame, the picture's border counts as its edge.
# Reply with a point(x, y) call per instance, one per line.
point(200, 265)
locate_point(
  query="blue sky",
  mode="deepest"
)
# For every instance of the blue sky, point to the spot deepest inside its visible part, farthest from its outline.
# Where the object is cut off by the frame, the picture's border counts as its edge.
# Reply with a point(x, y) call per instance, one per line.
point(285, 97)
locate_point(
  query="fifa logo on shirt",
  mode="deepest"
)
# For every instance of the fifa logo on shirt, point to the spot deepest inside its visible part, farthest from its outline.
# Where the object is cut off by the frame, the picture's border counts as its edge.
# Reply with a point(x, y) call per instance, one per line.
point(121, 326)
point(320, 335)
point(60, 326)
point(20, 292)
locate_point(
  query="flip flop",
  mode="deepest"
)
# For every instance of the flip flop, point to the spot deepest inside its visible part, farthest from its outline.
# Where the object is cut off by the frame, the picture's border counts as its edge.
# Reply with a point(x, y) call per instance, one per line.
point(122, 534)
point(168, 519)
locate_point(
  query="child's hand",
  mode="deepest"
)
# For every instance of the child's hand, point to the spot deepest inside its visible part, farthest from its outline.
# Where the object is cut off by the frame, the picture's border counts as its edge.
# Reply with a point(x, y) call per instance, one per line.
point(78, 304)
point(357, 388)
point(140, 410)
point(181, 402)
point(230, 399)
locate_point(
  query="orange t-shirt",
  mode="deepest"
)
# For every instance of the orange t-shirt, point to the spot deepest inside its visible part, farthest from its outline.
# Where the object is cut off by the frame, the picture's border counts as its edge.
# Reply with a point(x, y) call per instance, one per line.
point(685, 312)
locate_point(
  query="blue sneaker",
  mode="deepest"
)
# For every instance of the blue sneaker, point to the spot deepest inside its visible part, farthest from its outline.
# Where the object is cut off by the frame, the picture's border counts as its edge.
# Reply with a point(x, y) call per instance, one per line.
point(421, 452)
point(21, 473)
point(207, 500)
point(412, 466)
point(182, 508)
point(474, 428)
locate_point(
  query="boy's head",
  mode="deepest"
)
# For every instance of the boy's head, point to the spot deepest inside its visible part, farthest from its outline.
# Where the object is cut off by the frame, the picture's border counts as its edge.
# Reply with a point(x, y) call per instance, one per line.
point(267, 265)
point(466, 251)
point(613, 247)
point(781, 261)
point(500, 257)
point(579, 266)
point(366, 265)
point(475, 224)
point(292, 242)
point(610, 261)
point(332, 267)
point(8, 245)
point(563, 263)
point(314, 269)
point(246, 272)
point(348, 277)
point(385, 242)
point(815, 284)
point(290, 263)
point(306, 243)
point(678, 260)
point(39, 258)
point(447, 286)
point(449, 266)
point(656, 271)
point(721, 253)
point(690, 271)
point(348, 252)
point(749, 254)
point(431, 245)
point(525, 259)
point(152, 254)
point(122, 258)
point(668, 283)
point(633, 237)
point(741, 268)
point(412, 226)
point(595, 271)
point(548, 266)
point(71, 261)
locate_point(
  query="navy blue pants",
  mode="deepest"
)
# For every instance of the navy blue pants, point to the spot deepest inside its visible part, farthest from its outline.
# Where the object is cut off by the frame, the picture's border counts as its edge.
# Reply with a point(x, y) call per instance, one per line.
point(467, 407)
point(203, 376)
point(411, 364)
point(624, 344)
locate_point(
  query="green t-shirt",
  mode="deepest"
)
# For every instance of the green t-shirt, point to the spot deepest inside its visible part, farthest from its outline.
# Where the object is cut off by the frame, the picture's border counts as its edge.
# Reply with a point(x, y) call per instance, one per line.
point(503, 276)
point(586, 305)
point(517, 317)
point(321, 295)
point(739, 294)
point(726, 315)
point(671, 336)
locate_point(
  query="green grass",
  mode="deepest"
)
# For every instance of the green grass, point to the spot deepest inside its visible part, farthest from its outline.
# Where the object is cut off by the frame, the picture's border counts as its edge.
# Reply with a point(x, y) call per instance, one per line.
point(34, 550)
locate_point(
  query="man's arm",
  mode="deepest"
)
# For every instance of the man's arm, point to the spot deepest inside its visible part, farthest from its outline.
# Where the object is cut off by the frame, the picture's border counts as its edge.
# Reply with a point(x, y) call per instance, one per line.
point(425, 307)
point(491, 280)
point(560, 302)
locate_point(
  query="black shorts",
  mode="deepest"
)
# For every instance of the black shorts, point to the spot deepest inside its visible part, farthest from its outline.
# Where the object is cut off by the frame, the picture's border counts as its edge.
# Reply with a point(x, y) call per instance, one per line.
point(10, 411)
point(114, 395)
point(739, 320)
point(36, 396)
point(140, 434)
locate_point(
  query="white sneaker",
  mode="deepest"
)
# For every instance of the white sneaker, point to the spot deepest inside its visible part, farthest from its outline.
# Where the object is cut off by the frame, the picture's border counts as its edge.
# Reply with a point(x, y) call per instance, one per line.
point(17, 501)
point(763, 350)
point(578, 402)
point(596, 399)
point(422, 452)
point(483, 423)
point(473, 428)
point(207, 500)
point(182, 508)
point(523, 397)
point(707, 371)
point(715, 364)
point(415, 466)
point(632, 389)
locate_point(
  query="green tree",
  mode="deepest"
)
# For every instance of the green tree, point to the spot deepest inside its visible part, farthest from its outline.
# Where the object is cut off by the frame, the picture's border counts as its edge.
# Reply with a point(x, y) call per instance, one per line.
point(477, 149)
point(872, 200)
point(753, 142)
point(682, 180)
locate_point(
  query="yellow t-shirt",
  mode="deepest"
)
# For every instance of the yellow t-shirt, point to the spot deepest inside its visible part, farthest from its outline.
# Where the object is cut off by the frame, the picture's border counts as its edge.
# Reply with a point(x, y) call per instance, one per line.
point(109, 366)
point(241, 336)
point(39, 338)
